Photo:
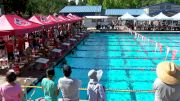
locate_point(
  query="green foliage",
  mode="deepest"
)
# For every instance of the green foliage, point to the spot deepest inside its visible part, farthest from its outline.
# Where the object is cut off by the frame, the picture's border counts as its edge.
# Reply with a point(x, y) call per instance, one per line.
point(46, 7)
point(72, 3)
point(93, 2)
point(31, 7)
point(82, 2)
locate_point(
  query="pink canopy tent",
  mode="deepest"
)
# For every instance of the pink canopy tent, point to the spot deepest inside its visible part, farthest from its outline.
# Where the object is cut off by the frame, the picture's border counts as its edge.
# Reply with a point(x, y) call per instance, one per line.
point(66, 19)
point(56, 19)
point(42, 20)
point(15, 25)
point(74, 17)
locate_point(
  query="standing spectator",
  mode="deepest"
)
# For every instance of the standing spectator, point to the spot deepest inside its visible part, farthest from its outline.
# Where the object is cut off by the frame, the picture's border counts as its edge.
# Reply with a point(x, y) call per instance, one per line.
point(11, 91)
point(69, 86)
point(10, 49)
point(2, 47)
point(20, 45)
point(95, 91)
point(49, 86)
point(167, 85)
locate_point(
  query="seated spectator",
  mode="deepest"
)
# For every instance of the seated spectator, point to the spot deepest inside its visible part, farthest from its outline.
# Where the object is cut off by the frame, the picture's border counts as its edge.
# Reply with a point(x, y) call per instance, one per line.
point(69, 86)
point(167, 85)
point(49, 86)
point(11, 91)
point(16, 68)
point(95, 91)
point(16, 54)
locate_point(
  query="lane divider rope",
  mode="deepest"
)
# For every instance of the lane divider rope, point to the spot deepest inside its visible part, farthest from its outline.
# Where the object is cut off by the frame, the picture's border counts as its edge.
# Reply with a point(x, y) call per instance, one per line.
point(111, 90)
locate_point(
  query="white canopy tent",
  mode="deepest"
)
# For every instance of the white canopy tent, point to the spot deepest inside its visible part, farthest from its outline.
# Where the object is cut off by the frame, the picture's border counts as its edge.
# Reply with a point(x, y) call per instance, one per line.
point(126, 16)
point(161, 16)
point(144, 17)
point(176, 17)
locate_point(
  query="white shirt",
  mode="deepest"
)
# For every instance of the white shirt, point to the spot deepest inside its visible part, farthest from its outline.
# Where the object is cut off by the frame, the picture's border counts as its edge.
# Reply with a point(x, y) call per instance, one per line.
point(95, 91)
point(165, 92)
point(69, 88)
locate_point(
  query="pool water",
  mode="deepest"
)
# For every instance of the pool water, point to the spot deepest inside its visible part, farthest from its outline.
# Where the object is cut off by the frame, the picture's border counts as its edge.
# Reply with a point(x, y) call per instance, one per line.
point(127, 63)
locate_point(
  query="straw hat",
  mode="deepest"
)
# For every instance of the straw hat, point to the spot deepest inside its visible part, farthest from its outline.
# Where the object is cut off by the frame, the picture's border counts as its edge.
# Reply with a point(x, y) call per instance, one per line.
point(95, 76)
point(168, 72)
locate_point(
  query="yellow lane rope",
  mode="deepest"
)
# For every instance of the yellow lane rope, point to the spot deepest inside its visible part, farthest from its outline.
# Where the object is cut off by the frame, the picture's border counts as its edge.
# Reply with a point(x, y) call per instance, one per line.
point(112, 90)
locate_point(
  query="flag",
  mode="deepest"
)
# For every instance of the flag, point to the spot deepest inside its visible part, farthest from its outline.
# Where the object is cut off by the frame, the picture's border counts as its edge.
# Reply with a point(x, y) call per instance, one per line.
point(156, 46)
point(160, 47)
point(174, 54)
point(167, 52)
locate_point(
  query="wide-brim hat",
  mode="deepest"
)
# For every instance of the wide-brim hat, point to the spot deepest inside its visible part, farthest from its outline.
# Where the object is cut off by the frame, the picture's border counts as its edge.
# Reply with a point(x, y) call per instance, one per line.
point(95, 75)
point(168, 72)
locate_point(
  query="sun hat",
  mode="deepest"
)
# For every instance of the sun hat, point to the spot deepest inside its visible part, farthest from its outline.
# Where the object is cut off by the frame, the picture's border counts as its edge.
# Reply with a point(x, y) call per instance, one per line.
point(95, 76)
point(168, 72)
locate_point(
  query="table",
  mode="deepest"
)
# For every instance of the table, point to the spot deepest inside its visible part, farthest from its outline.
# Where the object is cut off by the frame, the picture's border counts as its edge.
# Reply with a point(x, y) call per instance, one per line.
point(56, 50)
point(66, 45)
point(42, 60)
point(72, 39)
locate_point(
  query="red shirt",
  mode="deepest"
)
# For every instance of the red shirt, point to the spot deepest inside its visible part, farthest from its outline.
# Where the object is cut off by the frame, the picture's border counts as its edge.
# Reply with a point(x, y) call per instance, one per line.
point(16, 68)
point(21, 44)
point(10, 46)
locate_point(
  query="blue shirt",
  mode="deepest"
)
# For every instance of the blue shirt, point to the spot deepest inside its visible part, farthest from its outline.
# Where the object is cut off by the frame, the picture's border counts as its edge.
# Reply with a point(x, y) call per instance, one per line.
point(49, 88)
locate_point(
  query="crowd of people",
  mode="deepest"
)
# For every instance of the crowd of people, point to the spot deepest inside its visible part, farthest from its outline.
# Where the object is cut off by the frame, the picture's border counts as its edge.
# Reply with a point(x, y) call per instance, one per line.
point(19, 50)
point(69, 87)
point(166, 86)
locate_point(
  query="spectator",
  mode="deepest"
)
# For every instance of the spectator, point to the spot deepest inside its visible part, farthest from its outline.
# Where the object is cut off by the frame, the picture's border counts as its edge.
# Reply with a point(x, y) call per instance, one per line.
point(49, 86)
point(95, 91)
point(167, 85)
point(2, 47)
point(10, 49)
point(16, 68)
point(69, 86)
point(11, 91)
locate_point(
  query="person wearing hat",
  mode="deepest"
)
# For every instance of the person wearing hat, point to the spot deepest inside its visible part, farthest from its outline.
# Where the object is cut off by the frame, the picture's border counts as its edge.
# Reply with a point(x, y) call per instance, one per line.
point(11, 91)
point(49, 86)
point(69, 86)
point(95, 90)
point(167, 85)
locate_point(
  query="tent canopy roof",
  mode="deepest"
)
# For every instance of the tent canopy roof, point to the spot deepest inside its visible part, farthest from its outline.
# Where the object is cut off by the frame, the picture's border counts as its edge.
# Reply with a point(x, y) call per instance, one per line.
point(40, 19)
point(127, 16)
point(176, 16)
point(144, 17)
point(16, 25)
point(161, 16)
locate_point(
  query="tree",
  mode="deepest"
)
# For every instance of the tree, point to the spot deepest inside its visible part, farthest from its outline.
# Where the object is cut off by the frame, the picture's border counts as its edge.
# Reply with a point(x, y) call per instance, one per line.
point(44, 6)
point(72, 3)
point(93, 2)
point(13, 6)
point(82, 2)
point(107, 4)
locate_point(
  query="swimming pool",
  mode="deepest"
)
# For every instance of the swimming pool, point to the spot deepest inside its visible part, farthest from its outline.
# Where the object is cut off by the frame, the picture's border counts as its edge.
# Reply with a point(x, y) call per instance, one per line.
point(128, 63)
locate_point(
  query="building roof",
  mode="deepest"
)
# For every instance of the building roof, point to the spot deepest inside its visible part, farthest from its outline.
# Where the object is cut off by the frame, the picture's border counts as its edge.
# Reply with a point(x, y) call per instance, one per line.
point(123, 11)
point(81, 9)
